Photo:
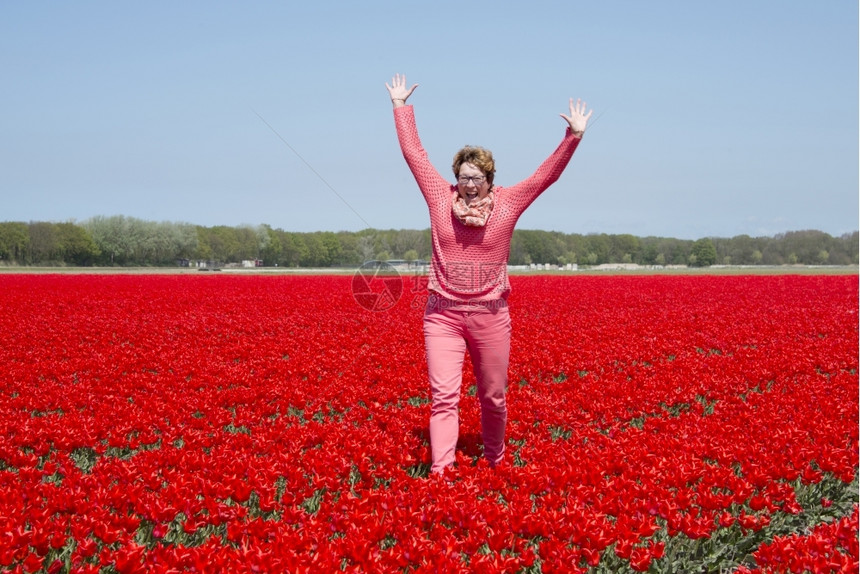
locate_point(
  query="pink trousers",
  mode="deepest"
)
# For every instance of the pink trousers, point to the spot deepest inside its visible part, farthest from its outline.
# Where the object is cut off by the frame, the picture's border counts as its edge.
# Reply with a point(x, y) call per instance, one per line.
point(485, 332)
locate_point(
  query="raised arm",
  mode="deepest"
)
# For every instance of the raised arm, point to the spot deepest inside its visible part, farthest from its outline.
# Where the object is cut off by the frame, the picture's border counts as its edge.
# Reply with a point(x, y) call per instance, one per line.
point(434, 187)
point(524, 193)
point(398, 91)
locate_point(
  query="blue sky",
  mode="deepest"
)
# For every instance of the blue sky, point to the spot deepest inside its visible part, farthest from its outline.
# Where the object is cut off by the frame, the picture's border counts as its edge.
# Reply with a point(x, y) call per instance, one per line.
point(711, 118)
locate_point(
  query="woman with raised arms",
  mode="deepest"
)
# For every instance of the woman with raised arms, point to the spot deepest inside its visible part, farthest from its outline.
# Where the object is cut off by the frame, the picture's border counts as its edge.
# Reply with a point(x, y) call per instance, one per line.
point(471, 222)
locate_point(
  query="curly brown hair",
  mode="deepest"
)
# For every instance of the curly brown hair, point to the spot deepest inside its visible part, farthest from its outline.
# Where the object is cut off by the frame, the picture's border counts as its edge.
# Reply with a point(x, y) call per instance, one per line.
point(477, 156)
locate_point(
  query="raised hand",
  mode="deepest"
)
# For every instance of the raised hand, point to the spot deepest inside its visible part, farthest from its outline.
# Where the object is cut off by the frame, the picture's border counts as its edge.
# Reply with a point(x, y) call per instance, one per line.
point(577, 119)
point(398, 91)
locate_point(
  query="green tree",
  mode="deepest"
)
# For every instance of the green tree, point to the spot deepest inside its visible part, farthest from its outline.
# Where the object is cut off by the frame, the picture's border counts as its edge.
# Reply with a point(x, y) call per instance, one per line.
point(650, 253)
point(224, 243)
point(703, 253)
point(408, 240)
point(44, 243)
point(14, 241)
point(517, 254)
point(364, 245)
point(248, 243)
point(597, 248)
point(271, 251)
point(845, 249)
point(315, 251)
point(112, 235)
point(624, 248)
point(349, 248)
point(76, 244)
point(203, 251)
point(294, 249)
point(676, 251)
point(331, 249)
point(541, 246)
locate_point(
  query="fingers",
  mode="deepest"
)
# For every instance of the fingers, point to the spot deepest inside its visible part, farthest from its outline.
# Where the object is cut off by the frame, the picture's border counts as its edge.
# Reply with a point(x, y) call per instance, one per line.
point(579, 108)
point(398, 82)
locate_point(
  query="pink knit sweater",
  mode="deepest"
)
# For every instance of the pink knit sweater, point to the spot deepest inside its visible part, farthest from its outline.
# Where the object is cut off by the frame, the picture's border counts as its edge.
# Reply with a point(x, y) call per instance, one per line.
point(471, 263)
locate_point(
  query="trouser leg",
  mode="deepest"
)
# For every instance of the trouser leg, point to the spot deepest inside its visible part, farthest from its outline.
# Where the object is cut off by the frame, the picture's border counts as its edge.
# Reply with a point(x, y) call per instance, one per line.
point(489, 342)
point(445, 348)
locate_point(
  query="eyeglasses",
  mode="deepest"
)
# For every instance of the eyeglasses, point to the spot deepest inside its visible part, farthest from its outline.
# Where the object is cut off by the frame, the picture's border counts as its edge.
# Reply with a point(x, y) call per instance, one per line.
point(477, 180)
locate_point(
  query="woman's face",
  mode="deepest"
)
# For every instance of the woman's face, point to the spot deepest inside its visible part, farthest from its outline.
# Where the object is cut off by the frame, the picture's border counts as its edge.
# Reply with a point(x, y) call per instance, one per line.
point(472, 183)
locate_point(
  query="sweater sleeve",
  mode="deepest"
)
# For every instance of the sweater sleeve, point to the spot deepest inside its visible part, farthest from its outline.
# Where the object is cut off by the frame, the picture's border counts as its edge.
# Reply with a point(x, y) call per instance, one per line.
point(521, 195)
point(433, 186)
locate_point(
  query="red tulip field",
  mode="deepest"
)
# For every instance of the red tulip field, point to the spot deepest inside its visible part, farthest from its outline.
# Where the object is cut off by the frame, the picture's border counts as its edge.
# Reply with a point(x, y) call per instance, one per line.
point(224, 422)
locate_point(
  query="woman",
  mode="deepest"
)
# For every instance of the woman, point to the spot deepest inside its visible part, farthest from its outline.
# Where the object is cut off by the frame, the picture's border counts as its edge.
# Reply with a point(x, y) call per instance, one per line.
point(471, 225)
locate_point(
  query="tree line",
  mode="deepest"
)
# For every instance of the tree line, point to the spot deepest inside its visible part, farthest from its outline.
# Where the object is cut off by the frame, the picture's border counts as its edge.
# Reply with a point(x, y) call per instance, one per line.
point(128, 241)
